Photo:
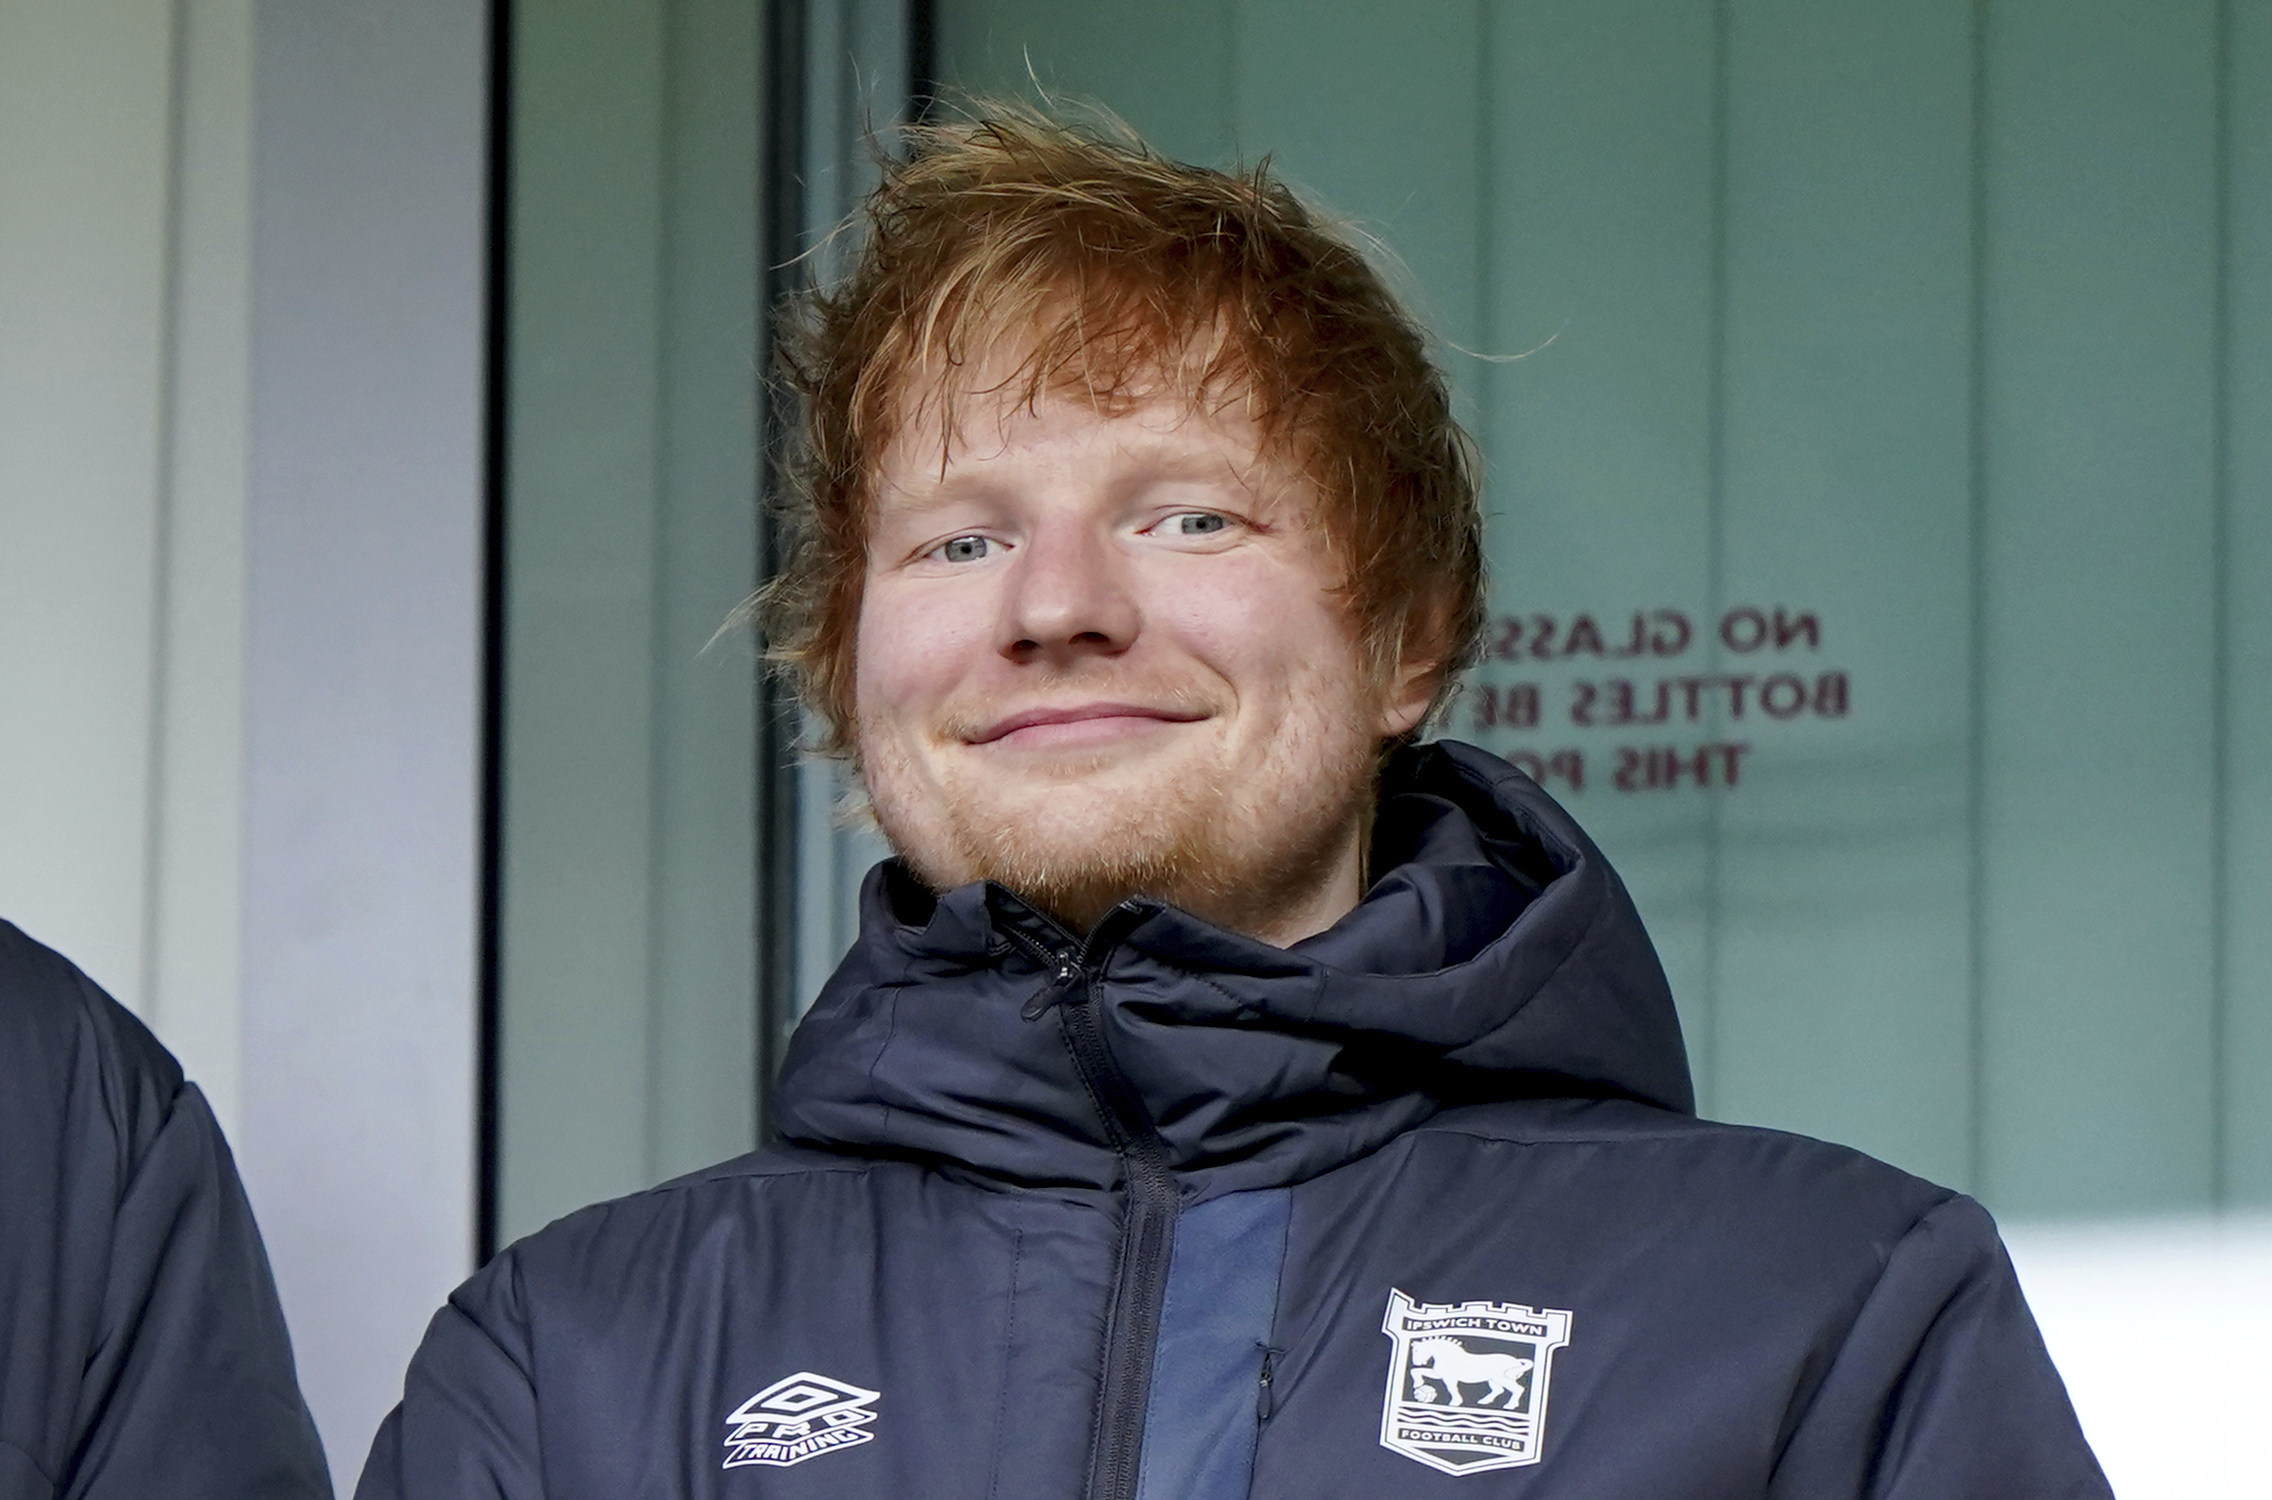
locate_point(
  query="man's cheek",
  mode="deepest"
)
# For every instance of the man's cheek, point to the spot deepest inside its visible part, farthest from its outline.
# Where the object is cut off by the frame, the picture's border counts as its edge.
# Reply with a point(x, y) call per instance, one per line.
point(1232, 633)
point(1252, 615)
point(901, 667)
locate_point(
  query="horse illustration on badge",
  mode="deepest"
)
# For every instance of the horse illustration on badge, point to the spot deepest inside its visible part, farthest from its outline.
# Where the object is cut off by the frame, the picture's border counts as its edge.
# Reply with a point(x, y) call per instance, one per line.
point(1467, 1383)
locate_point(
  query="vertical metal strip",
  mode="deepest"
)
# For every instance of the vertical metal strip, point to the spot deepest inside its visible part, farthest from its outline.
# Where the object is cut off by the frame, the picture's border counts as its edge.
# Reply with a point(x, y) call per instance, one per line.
point(1235, 148)
point(787, 45)
point(1716, 480)
point(1485, 332)
point(923, 81)
point(670, 20)
point(1976, 688)
point(497, 304)
point(2220, 680)
point(165, 456)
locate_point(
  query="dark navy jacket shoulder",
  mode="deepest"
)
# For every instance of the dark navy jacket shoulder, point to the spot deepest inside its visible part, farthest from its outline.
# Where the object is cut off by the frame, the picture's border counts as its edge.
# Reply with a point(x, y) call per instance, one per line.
point(142, 1350)
point(1417, 1206)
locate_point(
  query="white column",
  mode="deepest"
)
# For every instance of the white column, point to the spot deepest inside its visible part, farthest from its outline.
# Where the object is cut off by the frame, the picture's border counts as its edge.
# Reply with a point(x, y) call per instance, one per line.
point(84, 120)
point(363, 672)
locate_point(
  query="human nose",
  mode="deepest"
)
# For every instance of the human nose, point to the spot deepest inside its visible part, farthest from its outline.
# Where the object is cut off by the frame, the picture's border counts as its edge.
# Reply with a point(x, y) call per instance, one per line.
point(1069, 597)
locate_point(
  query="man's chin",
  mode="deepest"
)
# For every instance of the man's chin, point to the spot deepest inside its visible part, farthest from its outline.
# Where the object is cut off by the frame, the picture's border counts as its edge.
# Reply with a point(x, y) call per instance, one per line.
point(1076, 850)
point(1178, 833)
point(1114, 784)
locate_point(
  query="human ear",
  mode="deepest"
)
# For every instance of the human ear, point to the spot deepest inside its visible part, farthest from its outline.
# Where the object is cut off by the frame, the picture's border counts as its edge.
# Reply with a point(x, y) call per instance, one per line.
point(1405, 700)
point(1410, 687)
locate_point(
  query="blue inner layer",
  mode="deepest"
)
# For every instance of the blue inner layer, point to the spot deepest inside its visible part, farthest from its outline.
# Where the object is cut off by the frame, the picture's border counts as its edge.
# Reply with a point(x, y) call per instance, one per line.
point(1222, 1296)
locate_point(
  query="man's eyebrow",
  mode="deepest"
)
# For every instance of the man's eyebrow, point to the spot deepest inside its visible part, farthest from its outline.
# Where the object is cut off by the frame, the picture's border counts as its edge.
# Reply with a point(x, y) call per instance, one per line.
point(1169, 456)
point(1145, 458)
point(1195, 463)
point(931, 492)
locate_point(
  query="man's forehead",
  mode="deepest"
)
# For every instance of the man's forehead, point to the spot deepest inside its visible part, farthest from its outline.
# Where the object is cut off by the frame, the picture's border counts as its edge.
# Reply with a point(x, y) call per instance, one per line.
point(954, 432)
point(1050, 342)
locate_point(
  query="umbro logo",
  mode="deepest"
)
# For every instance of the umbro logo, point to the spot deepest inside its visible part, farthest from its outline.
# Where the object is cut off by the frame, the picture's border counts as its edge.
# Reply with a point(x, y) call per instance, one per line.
point(798, 1417)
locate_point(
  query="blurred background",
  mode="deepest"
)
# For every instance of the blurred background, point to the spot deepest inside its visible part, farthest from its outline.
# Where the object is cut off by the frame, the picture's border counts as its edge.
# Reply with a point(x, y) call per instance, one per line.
point(1877, 399)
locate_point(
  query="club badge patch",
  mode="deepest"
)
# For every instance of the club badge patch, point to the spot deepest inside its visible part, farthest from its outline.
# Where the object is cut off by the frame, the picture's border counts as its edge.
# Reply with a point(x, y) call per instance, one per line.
point(796, 1418)
point(1467, 1383)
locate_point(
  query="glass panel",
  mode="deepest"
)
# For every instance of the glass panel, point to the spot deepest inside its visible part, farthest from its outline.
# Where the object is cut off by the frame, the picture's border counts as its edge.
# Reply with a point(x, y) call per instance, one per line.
point(2245, 554)
point(628, 998)
point(2098, 793)
point(857, 76)
point(1877, 523)
point(633, 970)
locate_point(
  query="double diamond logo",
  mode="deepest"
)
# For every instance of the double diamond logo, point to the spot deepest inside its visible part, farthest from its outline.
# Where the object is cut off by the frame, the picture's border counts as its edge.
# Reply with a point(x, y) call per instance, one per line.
point(796, 1418)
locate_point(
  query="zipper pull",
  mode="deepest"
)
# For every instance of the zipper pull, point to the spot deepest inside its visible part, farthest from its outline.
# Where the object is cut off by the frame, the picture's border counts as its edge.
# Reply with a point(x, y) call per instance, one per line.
point(1262, 1392)
point(1060, 984)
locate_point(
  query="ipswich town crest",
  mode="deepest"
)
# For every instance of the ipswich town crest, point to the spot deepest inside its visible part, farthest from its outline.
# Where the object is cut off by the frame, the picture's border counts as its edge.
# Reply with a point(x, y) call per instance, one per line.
point(1467, 1384)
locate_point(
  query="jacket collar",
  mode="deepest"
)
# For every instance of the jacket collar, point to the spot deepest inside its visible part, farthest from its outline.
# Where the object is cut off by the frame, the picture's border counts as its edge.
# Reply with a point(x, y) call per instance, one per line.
point(1496, 956)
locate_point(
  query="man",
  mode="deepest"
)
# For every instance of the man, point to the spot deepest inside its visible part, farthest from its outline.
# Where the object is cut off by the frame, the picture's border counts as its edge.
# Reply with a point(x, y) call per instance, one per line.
point(142, 1352)
point(1228, 1095)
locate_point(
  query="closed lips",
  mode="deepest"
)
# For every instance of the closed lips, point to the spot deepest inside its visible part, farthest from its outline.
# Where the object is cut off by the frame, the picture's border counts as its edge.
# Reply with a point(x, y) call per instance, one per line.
point(1040, 717)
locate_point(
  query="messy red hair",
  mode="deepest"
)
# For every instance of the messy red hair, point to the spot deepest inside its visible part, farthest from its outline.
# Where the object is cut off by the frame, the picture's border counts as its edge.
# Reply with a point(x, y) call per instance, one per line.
point(1111, 270)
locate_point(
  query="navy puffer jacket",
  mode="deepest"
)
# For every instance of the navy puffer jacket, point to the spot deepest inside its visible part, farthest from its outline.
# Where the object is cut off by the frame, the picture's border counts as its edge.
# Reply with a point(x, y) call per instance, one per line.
point(142, 1350)
point(1416, 1207)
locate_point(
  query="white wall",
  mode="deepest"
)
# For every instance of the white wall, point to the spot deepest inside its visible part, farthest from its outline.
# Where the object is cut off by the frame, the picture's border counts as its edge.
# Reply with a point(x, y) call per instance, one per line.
point(124, 142)
point(363, 678)
point(2159, 1327)
point(83, 145)
point(241, 501)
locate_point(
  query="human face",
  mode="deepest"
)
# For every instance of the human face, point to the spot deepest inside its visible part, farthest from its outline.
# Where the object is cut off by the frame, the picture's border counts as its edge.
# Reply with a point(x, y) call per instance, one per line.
point(1105, 654)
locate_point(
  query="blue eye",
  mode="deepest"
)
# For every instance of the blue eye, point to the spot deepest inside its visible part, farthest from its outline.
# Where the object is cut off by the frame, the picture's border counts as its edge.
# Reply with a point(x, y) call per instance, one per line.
point(1198, 523)
point(964, 549)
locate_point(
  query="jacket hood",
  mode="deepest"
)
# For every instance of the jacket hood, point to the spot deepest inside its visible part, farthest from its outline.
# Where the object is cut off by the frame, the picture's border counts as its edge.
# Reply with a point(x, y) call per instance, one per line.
point(1497, 955)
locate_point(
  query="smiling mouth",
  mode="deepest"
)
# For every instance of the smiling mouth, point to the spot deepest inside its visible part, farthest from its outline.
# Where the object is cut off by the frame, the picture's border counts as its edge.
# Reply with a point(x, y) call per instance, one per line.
point(1086, 722)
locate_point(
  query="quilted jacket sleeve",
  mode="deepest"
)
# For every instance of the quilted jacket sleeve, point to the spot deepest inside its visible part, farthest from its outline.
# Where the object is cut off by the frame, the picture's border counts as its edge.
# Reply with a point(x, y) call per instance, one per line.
point(142, 1348)
point(466, 1427)
point(1943, 1389)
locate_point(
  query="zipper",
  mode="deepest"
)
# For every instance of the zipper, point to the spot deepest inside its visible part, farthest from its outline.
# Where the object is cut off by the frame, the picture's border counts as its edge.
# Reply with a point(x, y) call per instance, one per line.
point(1147, 1225)
point(1061, 983)
point(1264, 1399)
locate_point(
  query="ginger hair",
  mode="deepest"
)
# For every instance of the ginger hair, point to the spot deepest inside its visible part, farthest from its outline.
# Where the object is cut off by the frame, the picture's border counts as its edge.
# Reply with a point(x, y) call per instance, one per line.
point(1116, 273)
